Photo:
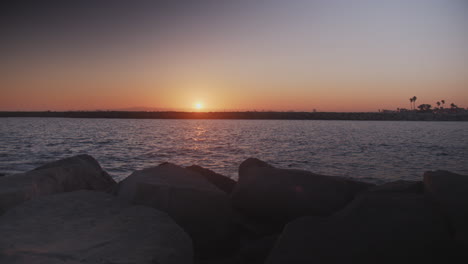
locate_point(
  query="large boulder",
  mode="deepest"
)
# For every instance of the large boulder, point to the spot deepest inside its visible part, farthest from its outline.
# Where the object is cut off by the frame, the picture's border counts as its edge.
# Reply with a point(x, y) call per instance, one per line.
point(252, 163)
point(280, 195)
point(449, 192)
point(195, 204)
point(256, 251)
point(400, 186)
point(70, 174)
point(222, 182)
point(90, 227)
point(375, 228)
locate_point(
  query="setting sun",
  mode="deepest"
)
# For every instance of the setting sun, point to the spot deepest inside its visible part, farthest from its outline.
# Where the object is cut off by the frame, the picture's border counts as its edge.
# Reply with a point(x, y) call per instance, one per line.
point(198, 106)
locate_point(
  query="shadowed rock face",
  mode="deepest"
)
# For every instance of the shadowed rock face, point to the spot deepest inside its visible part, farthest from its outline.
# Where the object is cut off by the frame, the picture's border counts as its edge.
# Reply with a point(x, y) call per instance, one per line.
point(400, 186)
point(375, 228)
point(70, 174)
point(256, 251)
point(195, 204)
point(280, 195)
point(222, 182)
point(449, 193)
point(90, 227)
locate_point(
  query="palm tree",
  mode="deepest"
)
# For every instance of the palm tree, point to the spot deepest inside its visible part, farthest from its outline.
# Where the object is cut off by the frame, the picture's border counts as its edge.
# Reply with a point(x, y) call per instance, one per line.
point(425, 107)
point(411, 103)
point(438, 103)
point(414, 101)
point(443, 103)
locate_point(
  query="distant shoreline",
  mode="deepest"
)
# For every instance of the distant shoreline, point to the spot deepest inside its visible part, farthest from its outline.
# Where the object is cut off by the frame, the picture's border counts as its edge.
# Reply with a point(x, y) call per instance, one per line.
point(404, 116)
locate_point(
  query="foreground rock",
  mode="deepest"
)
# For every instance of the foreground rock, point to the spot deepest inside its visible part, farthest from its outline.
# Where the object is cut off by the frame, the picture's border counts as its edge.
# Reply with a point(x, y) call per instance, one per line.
point(400, 186)
point(256, 251)
point(70, 174)
point(90, 227)
point(280, 195)
point(376, 228)
point(222, 182)
point(195, 204)
point(449, 192)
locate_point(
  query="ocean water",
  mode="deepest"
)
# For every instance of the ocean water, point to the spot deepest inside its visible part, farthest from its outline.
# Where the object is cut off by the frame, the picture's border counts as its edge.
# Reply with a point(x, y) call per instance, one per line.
point(373, 151)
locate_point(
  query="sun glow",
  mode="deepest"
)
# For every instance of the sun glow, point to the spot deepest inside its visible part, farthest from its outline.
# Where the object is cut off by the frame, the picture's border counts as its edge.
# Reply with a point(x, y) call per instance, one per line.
point(198, 106)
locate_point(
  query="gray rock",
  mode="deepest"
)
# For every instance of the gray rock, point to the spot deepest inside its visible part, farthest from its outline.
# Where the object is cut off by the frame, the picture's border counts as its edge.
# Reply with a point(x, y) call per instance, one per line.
point(280, 195)
point(70, 174)
point(222, 182)
point(252, 163)
point(195, 204)
point(449, 192)
point(375, 228)
point(400, 186)
point(90, 227)
point(256, 251)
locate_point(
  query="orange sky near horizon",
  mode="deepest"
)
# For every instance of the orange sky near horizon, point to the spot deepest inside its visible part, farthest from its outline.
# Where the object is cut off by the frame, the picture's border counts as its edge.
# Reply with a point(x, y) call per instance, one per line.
point(219, 96)
point(276, 56)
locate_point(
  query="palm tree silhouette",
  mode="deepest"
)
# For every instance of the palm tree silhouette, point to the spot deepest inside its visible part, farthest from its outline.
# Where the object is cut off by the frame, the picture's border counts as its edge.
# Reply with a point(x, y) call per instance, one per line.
point(414, 101)
point(411, 103)
point(443, 103)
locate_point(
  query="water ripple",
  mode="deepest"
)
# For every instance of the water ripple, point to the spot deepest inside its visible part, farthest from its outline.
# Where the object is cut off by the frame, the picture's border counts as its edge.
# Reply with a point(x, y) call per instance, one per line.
point(368, 150)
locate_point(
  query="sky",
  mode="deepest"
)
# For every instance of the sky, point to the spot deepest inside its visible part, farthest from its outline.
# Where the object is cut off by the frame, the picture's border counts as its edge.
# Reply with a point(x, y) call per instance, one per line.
point(280, 55)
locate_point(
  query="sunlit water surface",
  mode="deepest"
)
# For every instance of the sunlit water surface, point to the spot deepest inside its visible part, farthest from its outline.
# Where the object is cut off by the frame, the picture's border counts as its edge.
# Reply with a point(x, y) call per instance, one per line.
point(376, 151)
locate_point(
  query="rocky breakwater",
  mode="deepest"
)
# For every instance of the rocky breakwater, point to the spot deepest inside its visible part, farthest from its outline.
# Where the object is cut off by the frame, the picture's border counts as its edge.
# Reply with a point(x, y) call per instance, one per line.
point(90, 227)
point(198, 206)
point(70, 174)
point(71, 211)
point(398, 222)
point(448, 192)
point(61, 213)
point(273, 197)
